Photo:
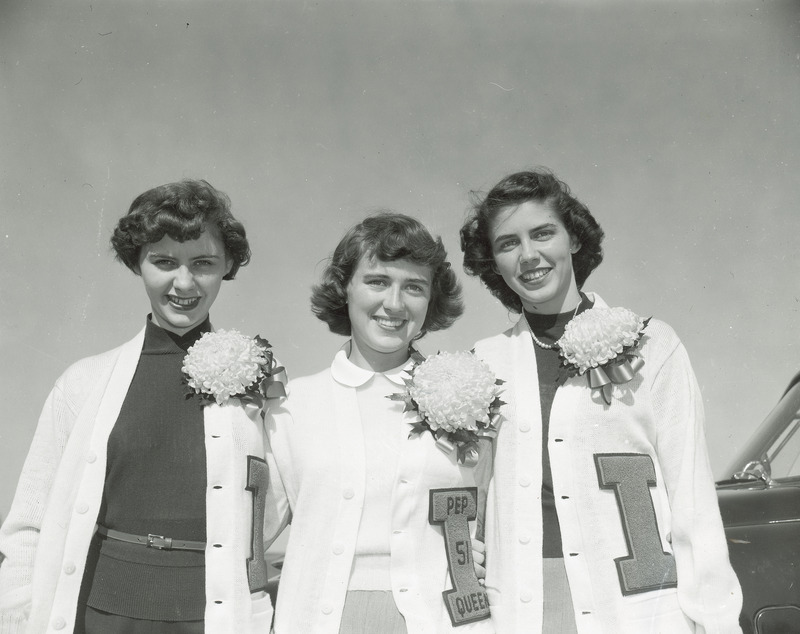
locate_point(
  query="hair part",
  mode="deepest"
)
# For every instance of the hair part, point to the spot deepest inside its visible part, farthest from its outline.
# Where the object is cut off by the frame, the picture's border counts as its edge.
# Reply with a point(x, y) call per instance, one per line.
point(387, 236)
point(540, 186)
point(182, 211)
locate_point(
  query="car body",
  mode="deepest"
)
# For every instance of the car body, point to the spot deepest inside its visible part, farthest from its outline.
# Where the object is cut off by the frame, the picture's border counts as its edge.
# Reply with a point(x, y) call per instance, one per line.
point(760, 505)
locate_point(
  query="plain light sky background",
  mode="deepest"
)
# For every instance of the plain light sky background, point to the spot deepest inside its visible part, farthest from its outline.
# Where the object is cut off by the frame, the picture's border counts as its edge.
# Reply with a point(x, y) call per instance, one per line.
point(676, 122)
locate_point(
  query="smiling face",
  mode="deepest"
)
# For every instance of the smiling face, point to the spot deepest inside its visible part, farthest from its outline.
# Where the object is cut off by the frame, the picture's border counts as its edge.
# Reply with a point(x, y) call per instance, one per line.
point(182, 279)
point(532, 251)
point(387, 303)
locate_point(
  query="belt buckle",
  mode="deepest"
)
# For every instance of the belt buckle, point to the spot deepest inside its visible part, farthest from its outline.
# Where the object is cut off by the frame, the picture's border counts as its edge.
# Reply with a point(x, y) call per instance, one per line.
point(159, 542)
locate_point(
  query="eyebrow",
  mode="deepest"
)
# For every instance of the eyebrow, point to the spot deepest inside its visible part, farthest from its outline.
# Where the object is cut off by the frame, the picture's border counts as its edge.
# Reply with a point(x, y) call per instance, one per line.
point(154, 254)
point(546, 225)
point(418, 280)
point(384, 276)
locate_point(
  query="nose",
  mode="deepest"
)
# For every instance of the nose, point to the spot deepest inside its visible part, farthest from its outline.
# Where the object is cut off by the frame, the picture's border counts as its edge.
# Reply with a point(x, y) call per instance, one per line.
point(393, 300)
point(528, 251)
point(184, 280)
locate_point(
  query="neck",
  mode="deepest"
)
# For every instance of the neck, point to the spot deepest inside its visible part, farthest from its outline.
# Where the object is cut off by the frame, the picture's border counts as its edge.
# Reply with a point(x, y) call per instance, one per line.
point(570, 301)
point(376, 361)
point(173, 329)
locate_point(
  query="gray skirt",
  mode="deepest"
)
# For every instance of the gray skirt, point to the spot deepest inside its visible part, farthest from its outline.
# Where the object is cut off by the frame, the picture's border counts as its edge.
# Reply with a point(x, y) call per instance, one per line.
point(370, 611)
point(559, 615)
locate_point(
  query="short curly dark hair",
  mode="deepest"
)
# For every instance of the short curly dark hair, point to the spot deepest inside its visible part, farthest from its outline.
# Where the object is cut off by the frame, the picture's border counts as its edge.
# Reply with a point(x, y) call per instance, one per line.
point(388, 236)
point(181, 211)
point(542, 186)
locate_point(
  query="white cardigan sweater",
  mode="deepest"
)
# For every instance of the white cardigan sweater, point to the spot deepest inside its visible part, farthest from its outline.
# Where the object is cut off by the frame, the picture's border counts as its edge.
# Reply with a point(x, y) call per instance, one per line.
point(317, 442)
point(46, 536)
point(654, 423)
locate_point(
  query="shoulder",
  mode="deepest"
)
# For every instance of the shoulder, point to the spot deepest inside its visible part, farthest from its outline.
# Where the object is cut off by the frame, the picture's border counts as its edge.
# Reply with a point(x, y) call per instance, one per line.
point(659, 339)
point(89, 369)
point(87, 374)
point(495, 342)
point(305, 387)
point(307, 398)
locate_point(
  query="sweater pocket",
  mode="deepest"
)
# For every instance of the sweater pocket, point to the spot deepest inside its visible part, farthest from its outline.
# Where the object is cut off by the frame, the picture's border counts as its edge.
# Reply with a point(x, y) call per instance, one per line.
point(659, 614)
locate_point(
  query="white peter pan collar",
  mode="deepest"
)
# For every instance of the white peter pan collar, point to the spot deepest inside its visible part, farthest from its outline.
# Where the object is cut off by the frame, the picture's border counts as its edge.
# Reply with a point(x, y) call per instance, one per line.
point(349, 374)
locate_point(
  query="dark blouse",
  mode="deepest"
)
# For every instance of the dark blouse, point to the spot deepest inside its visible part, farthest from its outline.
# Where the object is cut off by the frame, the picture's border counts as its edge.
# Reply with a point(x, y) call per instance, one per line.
point(155, 484)
point(548, 329)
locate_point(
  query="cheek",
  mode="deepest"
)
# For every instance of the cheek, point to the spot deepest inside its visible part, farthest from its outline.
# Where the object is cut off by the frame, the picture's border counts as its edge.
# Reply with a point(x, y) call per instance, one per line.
point(152, 284)
point(421, 309)
point(504, 266)
point(355, 310)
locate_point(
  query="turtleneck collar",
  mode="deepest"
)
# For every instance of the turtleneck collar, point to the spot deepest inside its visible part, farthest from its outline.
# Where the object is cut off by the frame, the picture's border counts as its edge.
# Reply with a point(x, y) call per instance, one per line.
point(158, 340)
point(549, 328)
point(349, 374)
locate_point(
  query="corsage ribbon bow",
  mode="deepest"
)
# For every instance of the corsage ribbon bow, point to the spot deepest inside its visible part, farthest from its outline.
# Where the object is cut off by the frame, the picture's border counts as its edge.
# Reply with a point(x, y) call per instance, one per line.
point(616, 372)
point(468, 453)
point(270, 387)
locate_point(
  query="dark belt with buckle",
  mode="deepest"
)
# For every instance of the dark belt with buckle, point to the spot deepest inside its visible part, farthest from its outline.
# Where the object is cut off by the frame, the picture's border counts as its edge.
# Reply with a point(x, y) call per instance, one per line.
point(151, 541)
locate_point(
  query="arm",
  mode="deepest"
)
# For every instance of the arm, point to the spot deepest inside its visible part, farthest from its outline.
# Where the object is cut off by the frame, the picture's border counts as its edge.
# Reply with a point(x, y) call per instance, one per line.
point(19, 536)
point(708, 589)
point(278, 513)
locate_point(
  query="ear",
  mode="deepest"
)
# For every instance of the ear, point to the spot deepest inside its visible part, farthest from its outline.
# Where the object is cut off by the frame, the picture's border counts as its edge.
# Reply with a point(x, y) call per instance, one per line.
point(228, 264)
point(574, 245)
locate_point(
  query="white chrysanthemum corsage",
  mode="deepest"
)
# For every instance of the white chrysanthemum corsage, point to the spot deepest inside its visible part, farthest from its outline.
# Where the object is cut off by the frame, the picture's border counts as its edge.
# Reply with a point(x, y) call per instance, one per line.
point(457, 397)
point(226, 364)
point(599, 343)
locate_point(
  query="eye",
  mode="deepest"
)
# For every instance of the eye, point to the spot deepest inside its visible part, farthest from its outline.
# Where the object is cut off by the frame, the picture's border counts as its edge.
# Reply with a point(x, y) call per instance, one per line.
point(203, 263)
point(544, 234)
point(507, 245)
point(376, 282)
point(416, 289)
point(162, 263)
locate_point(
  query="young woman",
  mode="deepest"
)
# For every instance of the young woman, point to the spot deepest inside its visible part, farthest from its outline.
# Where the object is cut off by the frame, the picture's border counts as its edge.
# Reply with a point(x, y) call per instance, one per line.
point(135, 507)
point(602, 512)
point(362, 555)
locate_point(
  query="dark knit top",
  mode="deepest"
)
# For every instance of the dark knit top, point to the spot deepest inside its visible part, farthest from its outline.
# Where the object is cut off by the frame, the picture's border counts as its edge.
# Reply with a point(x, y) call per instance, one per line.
point(155, 484)
point(548, 329)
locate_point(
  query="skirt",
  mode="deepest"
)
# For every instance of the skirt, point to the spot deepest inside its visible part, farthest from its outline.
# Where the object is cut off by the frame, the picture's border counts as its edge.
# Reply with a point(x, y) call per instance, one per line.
point(91, 621)
point(370, 611)
point(559, 615)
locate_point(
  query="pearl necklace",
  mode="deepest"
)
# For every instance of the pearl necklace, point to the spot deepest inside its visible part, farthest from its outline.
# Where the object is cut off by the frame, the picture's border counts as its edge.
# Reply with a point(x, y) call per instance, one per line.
point(548, 346)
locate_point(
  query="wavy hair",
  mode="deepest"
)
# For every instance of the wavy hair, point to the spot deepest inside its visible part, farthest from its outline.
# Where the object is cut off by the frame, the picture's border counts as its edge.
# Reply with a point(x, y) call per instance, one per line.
point(181, 211)
point(540, 186)
point(387, 236)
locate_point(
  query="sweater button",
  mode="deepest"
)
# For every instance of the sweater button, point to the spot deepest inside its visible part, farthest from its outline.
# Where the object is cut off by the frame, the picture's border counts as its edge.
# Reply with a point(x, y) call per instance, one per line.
point(524, 538)
point(525, 596)
point(327, 609)
point(338, 549)
point(82, 508)
point(91, 457)
point(524, 481)
point(59, 623)
point(69, 568)
point(348, 494)
point(524, 427)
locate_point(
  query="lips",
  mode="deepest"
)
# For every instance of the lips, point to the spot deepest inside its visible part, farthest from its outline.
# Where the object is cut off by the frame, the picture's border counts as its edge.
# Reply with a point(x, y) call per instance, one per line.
point(534, 276)
point(183, 303)
point(389, 324)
